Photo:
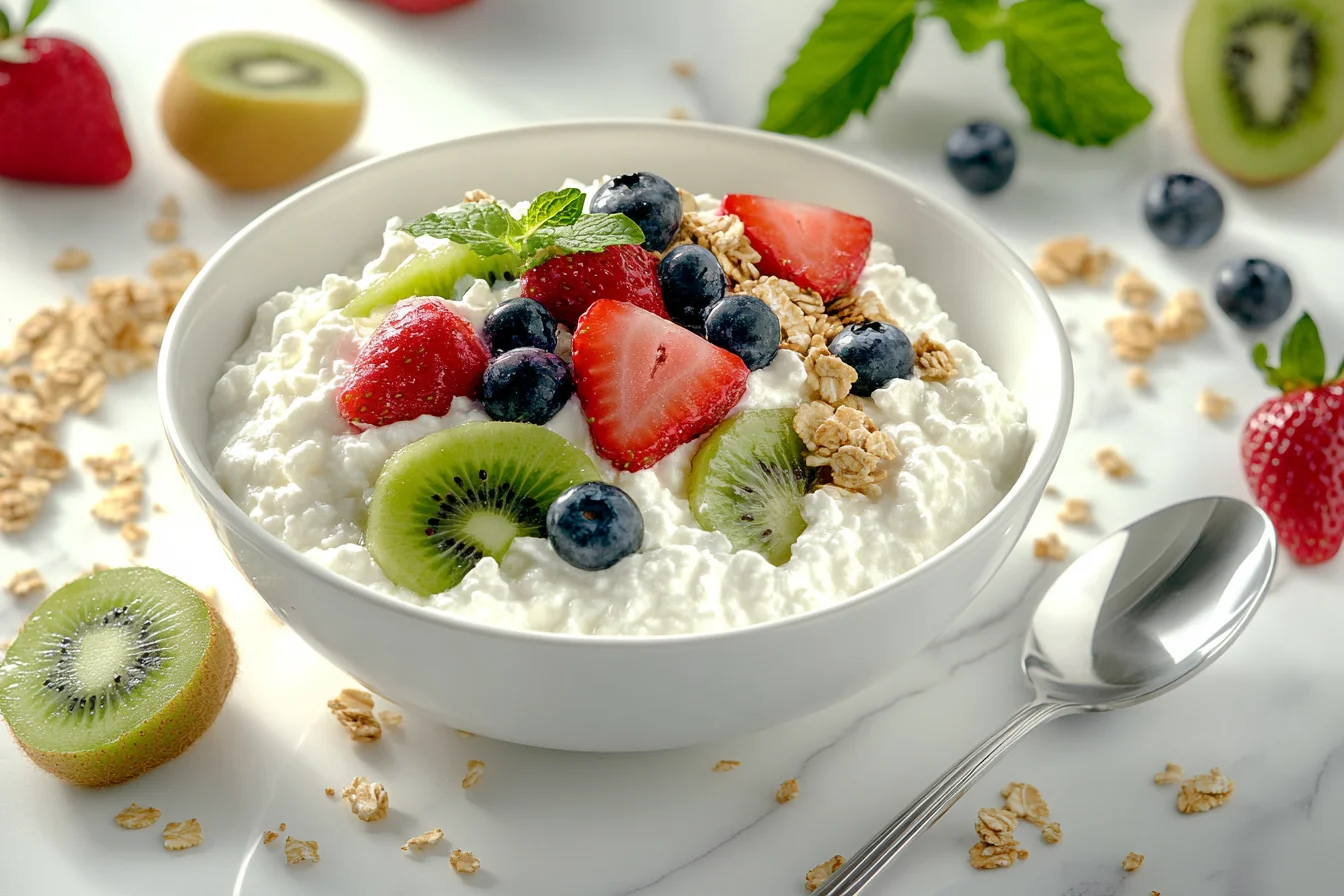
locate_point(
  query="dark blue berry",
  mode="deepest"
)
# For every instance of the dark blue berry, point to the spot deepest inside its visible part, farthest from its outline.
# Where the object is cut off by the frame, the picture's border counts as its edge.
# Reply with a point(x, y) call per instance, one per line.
point(692, 280)
point(1182, 210)
point(745, 326)
point(593, 525)
point(648, 200)
point(1252, 291)
point(519, 323)
point(878, 352)
point(526, 385)
point(981, 156)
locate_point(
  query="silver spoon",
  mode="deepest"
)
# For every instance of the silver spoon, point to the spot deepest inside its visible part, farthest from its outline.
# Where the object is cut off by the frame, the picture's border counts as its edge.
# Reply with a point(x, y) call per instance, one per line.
point(1139, 613)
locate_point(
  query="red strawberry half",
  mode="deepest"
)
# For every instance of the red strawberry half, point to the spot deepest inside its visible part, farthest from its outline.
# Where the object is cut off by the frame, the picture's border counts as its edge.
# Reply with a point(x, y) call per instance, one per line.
point(816, 247)
point(419, 358)
point(647, 385)
point(421, 6)
point(568, 284)
point(1293, 447)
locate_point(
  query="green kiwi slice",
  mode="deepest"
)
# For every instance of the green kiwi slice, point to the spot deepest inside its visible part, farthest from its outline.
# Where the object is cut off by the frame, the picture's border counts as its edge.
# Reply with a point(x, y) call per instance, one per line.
point(1264, 84)
point(436, 272)
point(443, 503)
point(114, 674)
point(748, 479)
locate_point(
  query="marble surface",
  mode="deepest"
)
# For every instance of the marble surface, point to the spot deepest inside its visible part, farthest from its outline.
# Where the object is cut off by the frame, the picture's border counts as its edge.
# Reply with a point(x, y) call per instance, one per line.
point(658, 825)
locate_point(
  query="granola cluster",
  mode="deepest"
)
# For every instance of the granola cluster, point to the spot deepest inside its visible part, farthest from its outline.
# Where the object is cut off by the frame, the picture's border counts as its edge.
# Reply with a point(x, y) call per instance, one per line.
point(299, 851)
point(367, 799)
point(787, 792)
point(354, 709)
point(1071, 258)
point(997, 846)
point(124, 500)
point(822, 873)
point(723, 235)
point(845, 441)
point(1132, 862)
point(26, 582)
point(464, 862)
point(1204, 792)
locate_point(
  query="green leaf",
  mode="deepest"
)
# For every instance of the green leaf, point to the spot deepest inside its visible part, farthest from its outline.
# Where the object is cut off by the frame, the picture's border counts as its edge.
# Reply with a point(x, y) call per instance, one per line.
point(483, 244)
point(973, 23)
point(853, 53)
point(4, 25)
point(1339, 374)
point(554, 209)
point(1066, 68)
point(590, 233)
point(1301, 358)
point(485, 217)
point(34, 10)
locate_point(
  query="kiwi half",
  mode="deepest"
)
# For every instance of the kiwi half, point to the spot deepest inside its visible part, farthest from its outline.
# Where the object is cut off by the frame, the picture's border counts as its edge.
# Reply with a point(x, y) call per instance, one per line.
point(748, 479)
point(443, 503)
point(436, 272)
point(252, 111)
point(114, 674)
point(1264, 84)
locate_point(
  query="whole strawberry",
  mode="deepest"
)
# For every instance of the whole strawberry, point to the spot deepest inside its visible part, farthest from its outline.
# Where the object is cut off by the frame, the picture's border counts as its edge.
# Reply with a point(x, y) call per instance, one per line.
point(1293, 447)
point(58, 121)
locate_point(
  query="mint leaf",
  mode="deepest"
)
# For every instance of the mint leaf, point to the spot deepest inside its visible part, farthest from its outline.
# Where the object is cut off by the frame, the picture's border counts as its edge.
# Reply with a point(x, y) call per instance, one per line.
point(36, 9)
point(483, 244)
point(973, 23)
point(853, 53)
point(554, 209)
point(488, 218)
point(590, 233)
point(1066, 68)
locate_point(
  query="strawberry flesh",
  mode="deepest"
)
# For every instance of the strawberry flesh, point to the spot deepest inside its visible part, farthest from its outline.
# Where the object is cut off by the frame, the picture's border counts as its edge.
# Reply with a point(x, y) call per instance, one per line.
point(567, 284)
point(648, 385)
point(816, 247)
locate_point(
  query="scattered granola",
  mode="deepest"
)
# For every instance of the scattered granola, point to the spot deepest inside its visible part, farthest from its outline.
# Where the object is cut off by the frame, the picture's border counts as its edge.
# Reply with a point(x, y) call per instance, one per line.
point(26, 582)
point(1137, 378)
point(135, 535)
point(169, 207)
point(329, 791)
point(390, 718)
point(996, 826)
point(1112, 463)
point(933, 362)
point(1066, 259)
point(299, 851)
point(117, 467)
point(1213, 405)
point(1025, 801)
point(726, 765)
point(269, 837)
point(1182, 318)
point(683, 68)
point(986, 858)
point(1075, 512)
point(164, 230)
point(820, 874)
point(726, 237)
point(1049, 547)
point(134, 817)
point(463, 862)
point(1133, 336)
point(1132, 862)
point(475, 770)
point(1172, 774)
point(788, 791)
point(282, 827)
point(354, 709)
point(828, 376)
point(71, 259)
point(367, 799)
point(123, 502)
point(1204, 792)
point(1052, 490)
point(182, 835)
point(477, 196)
point(1132, 288)
point(1052, 832)
point(428, 838)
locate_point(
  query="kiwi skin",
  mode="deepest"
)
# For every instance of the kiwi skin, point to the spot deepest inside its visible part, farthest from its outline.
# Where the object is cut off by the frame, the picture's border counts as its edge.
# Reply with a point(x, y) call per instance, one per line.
point(164, 736)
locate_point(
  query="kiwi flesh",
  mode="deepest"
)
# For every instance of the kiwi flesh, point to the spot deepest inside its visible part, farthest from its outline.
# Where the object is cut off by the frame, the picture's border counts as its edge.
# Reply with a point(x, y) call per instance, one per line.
point(443, 503)
point(253, 111)
point(748, 479)
point(114, 674)
point(1264, 84)
point(432, 272)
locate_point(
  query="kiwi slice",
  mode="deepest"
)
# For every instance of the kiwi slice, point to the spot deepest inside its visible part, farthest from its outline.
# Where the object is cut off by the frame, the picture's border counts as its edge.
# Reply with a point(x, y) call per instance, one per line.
point(748, 479)
point(114, 674)
point(436, 272)
point(446, 501)
point(252, 111)
point(1264, 84)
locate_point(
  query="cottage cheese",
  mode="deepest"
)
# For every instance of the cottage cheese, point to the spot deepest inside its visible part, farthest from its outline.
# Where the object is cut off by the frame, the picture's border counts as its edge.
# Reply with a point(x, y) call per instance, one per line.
point(288, 459)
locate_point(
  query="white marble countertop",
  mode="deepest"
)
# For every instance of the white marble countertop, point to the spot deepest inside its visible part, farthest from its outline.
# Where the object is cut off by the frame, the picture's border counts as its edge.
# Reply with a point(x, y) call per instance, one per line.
point(657, 825)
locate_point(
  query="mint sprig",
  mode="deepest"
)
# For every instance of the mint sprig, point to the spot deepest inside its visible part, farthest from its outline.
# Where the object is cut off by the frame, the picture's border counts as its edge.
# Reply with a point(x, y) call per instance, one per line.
point(1062, 61)
point(553, 225)
point(1301, 359)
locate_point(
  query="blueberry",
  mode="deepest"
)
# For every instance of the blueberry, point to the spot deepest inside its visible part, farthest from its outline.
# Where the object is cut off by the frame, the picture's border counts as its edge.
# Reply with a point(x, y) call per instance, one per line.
point(745, 326)
point(526, 385)
point(1252, 291)
point(1182, 210)
point(981, 156)
point(648, 200)
point(692, 280)
point(592, 525)
point(519, 323)
point(878, 352)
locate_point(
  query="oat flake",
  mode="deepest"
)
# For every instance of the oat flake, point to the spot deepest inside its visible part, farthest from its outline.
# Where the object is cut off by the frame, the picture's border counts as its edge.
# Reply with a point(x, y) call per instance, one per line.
point(299, 851)
point(179, 835)
point(464, 862)
point(134, 817)
point(821, 873)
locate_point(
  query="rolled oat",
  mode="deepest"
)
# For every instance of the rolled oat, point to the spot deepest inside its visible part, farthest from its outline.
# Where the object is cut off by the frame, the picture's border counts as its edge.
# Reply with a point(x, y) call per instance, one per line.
point(821, 873)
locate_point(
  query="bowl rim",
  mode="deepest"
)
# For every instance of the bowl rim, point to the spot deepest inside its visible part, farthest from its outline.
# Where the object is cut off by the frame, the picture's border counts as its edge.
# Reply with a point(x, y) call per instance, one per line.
point(1046, 448)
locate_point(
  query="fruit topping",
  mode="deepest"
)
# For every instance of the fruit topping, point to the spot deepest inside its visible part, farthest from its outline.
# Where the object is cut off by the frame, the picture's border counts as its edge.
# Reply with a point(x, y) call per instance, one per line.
point(981, 156)
point(114, 674)
point(1292, 448)
point(1182, 210)
point(692, 280)
point(526, 385)
point(878, 352)
point(568, 284)
point(648, 385)
point(443, 503)
point(1252, 291)
point(745, 326)
point(748, 480)
point(1264, 84)
point(648, 200)
point(816, 247)
point(519, 323)
point(593, 525)
point(421, 6)
point(419, 358)
point(433, 272)
point(252, 111)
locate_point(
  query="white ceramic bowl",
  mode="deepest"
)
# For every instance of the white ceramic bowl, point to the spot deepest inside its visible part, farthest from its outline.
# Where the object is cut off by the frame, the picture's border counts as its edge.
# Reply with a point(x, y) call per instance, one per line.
point(616, 693)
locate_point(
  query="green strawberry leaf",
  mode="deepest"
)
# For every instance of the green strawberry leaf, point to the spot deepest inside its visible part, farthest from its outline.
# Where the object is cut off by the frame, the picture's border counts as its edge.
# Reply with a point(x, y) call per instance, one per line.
point(34, 10)
point(4, 25)
point(973, 23)
point(853, 53)
point(554, 209)
point(1339, 374)
point(1066, 69)
point(1301, 358)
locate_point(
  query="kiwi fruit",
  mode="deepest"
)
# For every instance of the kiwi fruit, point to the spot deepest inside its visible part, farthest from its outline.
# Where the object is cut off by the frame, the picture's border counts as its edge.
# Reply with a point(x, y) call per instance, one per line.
point(1264, 84)
point(114, 674)
point(253, 111)
point(435, 272)
point(443, 503)
point(748, 479)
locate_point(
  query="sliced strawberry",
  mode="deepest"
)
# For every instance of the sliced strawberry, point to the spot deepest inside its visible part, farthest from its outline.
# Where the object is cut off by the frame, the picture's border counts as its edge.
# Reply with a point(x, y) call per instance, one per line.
point(648, 385)
point(816, 247)
point(568, 284)
point(416, 362)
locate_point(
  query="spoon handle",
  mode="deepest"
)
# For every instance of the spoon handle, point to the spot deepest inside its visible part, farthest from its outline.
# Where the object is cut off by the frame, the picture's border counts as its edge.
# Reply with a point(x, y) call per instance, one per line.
point(930, 806)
